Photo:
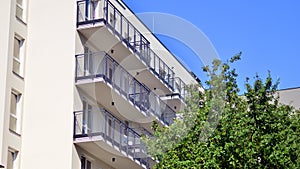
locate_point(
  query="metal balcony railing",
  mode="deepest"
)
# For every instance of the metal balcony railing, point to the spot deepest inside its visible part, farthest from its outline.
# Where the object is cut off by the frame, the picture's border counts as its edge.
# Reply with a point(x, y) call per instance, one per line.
point(93, 12)
point(99, 122)
point(101, 65)
point(162, 70)
point(180, 88)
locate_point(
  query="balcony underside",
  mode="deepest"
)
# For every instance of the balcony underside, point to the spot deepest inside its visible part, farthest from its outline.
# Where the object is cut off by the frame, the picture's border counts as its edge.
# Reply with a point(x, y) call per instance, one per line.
point(174, 101)
point(113, 100)
point(105, 150)
point(103, 39)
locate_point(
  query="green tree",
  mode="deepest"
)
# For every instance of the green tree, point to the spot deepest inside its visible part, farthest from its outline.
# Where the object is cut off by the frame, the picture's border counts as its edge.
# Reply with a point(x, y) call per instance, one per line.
point(221, 129)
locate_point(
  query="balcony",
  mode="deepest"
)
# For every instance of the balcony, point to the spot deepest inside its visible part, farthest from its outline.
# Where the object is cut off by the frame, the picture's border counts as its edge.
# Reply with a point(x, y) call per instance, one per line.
point(176, 100)
point(98, 131)
point(91, 14)
point(101, 68)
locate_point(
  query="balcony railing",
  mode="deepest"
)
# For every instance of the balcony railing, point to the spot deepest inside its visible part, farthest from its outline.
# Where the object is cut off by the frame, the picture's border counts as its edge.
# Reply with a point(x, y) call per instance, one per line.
point(101, 65)
point(162, 70)
point(180, 88)
point(93, 12)
point(99, 122)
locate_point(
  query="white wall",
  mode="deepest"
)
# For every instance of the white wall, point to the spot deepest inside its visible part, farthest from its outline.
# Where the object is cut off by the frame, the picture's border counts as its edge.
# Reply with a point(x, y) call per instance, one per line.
point(4, 34)
point(47, 140)
point(290, 97)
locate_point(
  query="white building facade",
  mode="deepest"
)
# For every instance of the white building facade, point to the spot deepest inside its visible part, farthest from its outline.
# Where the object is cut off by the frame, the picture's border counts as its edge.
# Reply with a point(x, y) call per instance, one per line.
point(80, 83)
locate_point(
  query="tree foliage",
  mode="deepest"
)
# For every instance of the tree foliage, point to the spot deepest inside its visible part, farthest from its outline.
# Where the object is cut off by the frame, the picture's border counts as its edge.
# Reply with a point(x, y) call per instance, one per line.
point(221, 129)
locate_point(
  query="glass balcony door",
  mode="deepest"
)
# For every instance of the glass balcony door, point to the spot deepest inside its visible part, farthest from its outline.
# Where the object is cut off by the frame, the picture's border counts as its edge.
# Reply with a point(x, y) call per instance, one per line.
point(87, 122)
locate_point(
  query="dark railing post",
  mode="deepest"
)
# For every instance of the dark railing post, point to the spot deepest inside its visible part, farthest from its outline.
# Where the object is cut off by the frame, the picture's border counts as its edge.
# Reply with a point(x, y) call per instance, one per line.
point(141, 49)
point(155, 107)
point(77, 17)
point(135, 91)
point(133, 145)
point(154, 60)
point(76, 68)
point(148, 162)
point(105, 125)
point(121, 79)
point(134, 40)
point(92, 12)
point(121, 26)
point(114, 21)
point(106, 11)
point(92, 57)
point(86, 10)
point(173, 80)
point(106, 66)
point(127, 33)
point(165, 72)
point(141, 98)
point(168, 76)
point(113, 131)
point(74, 125)
point(127, 139)
point(121, 135)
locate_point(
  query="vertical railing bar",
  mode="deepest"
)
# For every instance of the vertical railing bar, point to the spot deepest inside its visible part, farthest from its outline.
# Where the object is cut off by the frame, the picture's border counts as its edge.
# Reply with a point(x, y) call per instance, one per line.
point(113, 131)
point(134, 92)
point(76, 68)
point(106, 11)
point(121, 78)
point(154, 59)
point(127, 33)
point(121, 135)
point(133, 144)
point(93, 10)
point(121, 26)
point(114, 21)
point(74, 125)
point(86, 10)
point(77, 17)
point(127, 140)
point(134, 41)
point(105, 126)
point(140, 100)
point(168, 76)
point(106, 66)
point(141, 48)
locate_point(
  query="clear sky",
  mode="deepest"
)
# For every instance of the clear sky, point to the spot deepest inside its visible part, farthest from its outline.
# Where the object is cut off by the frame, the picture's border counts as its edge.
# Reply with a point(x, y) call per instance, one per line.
point(266, 31)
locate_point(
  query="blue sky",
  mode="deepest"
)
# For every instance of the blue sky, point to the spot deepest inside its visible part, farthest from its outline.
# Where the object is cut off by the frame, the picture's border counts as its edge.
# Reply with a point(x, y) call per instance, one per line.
point(267, 32)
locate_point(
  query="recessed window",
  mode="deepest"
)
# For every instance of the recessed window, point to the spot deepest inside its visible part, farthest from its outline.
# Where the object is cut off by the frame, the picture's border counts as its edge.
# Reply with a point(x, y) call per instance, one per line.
point(18, 56)
point(12, 159)
point(20, 10)
point(85, 163)
point(15, 106)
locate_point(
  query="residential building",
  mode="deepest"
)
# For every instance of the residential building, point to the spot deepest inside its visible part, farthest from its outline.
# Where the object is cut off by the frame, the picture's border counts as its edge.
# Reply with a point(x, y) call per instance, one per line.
point(290, 96)
point(80, 83)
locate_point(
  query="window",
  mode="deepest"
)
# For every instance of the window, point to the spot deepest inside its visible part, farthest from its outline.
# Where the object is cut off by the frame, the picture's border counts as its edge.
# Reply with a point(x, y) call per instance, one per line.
point(14, 112)
point(11, 159)
point(88, 61)
point(87, 118)
point(85, 164)
point(20, 10)
point(18, 56)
